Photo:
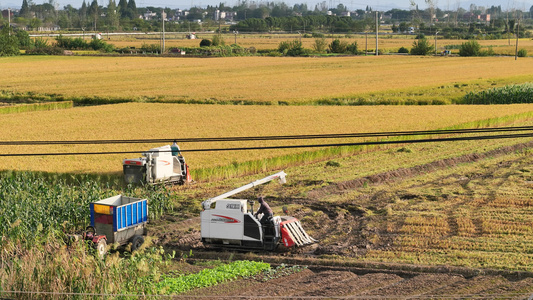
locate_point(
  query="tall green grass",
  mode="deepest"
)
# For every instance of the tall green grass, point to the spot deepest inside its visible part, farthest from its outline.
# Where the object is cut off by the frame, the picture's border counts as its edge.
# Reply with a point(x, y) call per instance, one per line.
point(35, 107)
point(32, 207)
point(54, 271)
point(509, 94)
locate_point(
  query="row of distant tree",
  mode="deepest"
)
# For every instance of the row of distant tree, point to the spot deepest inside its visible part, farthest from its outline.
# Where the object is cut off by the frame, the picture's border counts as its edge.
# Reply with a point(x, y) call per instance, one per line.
point(257, 17)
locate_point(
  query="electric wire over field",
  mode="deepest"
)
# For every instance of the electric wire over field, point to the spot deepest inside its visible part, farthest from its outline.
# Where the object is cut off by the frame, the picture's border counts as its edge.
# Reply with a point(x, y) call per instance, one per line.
point(501, 133)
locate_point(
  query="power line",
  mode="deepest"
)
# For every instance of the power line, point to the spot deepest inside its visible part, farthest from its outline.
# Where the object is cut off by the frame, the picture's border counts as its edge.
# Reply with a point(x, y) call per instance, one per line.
point(271, 138)
point(368, 143)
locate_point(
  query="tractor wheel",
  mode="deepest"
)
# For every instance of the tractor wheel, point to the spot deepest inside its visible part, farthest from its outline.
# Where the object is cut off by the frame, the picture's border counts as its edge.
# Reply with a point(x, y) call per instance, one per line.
point(136, 242)
point(101, 248)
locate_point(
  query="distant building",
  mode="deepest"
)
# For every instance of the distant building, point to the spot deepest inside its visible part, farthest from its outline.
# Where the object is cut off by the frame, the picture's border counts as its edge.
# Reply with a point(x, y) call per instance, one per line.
point(149, 15)
point(6, 13)
point(484, 17)
point(49, 28)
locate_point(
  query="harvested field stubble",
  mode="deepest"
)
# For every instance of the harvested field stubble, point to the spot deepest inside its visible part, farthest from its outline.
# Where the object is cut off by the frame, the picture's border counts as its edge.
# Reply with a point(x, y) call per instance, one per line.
point(250, 79)
point(145, 121)
point(449, 216)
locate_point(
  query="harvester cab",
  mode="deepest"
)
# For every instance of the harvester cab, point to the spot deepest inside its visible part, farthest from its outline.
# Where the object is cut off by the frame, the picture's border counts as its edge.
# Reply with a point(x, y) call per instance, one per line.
point(231, 223)
point(158, 165)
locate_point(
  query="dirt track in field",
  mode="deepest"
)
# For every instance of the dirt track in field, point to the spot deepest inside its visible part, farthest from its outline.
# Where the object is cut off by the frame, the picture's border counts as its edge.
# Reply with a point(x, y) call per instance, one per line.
point(312, 283)
point(344, 231)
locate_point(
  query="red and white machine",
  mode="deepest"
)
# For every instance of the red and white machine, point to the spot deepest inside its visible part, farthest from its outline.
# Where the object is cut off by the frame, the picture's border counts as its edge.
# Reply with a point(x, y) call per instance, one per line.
point(231, 223)
point(158, 165)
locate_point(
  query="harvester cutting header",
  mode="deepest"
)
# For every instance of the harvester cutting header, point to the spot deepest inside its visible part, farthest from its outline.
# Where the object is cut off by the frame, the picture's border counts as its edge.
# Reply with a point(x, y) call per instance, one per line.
point(158, 165)
point(231, 223)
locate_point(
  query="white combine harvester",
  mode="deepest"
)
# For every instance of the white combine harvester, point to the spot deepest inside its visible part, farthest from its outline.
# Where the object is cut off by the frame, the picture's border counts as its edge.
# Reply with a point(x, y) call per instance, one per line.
point(158, 165)
point(231, 223)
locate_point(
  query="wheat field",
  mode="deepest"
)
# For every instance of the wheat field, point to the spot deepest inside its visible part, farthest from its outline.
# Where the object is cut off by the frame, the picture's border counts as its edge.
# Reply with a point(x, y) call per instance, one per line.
point(150, 121)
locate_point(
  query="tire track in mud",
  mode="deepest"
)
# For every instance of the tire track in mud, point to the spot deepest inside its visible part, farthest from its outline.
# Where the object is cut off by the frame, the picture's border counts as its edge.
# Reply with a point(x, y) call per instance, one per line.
point(404, 173)
point(326, 283)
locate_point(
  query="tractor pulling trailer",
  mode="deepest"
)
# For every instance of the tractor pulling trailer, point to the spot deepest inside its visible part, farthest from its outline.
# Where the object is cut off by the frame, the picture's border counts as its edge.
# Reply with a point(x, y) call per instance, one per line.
point(116, 220)
point(231, 223)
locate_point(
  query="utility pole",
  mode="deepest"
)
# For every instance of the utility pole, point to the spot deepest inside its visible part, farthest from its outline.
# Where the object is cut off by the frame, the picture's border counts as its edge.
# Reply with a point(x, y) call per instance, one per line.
point(517, 34)
point(377, 32)
point(163, 15)
point(9, 20)
point(366, 43)
point(436, 32)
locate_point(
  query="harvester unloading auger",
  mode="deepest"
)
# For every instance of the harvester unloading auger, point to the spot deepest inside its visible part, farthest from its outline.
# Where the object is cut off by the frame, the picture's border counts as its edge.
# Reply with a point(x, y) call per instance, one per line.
point(231, 223)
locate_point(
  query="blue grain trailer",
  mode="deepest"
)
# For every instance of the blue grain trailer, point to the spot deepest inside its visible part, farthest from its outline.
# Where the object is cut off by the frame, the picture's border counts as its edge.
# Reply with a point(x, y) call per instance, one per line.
point(118, 220)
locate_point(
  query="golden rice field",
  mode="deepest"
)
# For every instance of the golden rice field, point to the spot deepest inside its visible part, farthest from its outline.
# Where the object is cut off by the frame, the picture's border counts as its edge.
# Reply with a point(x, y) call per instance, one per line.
point(388, 43)
point(266, 79)
point(145, 121)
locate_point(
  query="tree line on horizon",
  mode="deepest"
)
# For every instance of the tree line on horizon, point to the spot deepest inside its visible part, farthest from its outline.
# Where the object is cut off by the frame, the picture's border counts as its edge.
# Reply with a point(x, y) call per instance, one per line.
point(271, 16)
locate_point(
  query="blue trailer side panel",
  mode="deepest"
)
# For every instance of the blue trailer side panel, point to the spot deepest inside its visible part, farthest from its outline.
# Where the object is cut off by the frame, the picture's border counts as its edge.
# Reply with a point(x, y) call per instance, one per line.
point(130, 214)
point(145, 211)
point(123, 216)
point(115, 223)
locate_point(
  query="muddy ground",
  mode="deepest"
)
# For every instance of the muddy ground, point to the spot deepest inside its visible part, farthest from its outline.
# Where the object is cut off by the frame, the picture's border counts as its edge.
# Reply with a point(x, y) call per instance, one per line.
point(344, 230)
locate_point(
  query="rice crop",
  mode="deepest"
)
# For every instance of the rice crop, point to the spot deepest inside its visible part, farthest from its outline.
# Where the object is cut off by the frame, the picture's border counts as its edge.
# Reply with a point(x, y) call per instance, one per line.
point(387, 43)
point(35, 107)
point(144, 121)
point(267, 80)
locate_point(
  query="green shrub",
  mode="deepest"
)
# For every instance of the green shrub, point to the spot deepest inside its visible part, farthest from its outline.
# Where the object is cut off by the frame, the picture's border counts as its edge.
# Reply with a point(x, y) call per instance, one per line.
point(71, 44)
point(420, 36)
point(317, 35)
point(403, 50)
point(45, 51)
point(470, 48)
point(320, 45)
point(39, 42)
point(23, 38)
point(218, 41)
point(291, 48)
point(205, 43)
point(333, 163)
point(352, 48)
point(100, 45)
point(522, 53)
point(9, 44)
point(150, 48)
point(338, 46)
point(421, 47)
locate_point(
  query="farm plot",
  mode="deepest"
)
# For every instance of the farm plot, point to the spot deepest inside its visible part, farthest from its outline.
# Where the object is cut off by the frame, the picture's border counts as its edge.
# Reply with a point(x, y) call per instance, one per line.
point(387, 43)
point(324, 283)
point(460, 208)
point(144, 121)
point(252, 79)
